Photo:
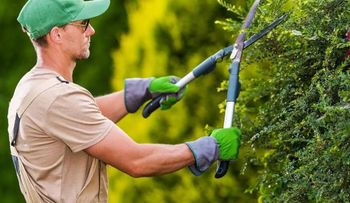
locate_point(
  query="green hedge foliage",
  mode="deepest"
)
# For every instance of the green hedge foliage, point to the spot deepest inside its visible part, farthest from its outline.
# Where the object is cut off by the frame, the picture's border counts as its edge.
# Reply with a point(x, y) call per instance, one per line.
point(294, 107)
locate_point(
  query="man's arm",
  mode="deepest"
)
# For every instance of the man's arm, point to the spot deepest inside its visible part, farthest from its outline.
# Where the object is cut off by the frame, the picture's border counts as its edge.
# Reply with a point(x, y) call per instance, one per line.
point(140, 160)
point(112, 106)
point(137, 91)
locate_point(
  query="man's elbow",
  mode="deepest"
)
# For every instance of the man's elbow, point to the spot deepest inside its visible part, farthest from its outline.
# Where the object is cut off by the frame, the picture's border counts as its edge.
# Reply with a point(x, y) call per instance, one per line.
point(135, 170)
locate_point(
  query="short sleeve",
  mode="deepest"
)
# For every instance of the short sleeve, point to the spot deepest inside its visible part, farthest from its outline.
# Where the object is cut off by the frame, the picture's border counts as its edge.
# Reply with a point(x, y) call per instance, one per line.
point(75, 119)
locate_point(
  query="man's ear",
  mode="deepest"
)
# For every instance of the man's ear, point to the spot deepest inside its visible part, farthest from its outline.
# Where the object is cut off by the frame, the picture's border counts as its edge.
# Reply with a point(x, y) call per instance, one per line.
point(55, 35)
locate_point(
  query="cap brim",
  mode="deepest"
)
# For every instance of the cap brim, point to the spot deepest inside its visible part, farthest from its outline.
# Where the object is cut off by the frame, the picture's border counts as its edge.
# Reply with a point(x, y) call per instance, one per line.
point(92, 9)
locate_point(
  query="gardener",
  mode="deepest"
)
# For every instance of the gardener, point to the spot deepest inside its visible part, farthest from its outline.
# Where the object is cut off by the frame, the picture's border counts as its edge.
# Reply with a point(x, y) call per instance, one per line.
point(61, 138)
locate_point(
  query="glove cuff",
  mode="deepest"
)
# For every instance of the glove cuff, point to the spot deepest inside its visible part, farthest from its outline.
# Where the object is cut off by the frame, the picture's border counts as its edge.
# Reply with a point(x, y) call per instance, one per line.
point(136, 93)
point(205, 152)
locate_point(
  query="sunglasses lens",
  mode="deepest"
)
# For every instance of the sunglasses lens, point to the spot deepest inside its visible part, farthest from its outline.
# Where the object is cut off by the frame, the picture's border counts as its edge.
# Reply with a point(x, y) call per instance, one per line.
point(87, 24)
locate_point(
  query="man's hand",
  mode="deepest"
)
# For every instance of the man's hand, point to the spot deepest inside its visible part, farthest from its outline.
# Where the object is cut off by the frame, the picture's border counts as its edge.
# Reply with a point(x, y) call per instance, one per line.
point(228, 140)
point(139, 90)
point(166, 85)
point(222, 144)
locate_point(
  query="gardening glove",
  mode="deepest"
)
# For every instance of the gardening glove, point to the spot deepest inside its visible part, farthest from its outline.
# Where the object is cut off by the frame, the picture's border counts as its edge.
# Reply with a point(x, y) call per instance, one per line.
point(139, 90)
point(222, 144)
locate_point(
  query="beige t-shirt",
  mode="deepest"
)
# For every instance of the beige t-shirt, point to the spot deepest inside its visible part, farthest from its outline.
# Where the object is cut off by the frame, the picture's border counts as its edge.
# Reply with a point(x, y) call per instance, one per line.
point(55, 129)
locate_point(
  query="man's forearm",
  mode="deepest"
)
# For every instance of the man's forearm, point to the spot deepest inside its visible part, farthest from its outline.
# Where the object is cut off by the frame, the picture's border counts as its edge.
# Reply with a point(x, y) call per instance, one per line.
point(162, 159)
point(140, 160)
point(112, 105)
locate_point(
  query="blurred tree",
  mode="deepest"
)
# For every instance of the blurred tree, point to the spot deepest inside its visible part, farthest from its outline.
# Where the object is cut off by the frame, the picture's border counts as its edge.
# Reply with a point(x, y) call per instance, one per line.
point(17, 56)
point(294, 111)
point(168, 37)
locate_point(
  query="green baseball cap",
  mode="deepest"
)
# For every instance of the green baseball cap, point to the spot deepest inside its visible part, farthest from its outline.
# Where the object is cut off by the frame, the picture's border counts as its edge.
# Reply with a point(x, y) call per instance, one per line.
point(38, 17)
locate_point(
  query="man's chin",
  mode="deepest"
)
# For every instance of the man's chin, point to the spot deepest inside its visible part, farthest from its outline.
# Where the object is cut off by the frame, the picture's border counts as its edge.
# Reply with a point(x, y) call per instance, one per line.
point(84, 56)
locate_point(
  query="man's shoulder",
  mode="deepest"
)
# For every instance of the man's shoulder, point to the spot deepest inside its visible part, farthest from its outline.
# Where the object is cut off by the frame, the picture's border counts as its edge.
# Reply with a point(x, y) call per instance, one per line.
point(45, 88)
point(39, 79)
point(66, 88)
point(65, 94)
point(51, 88)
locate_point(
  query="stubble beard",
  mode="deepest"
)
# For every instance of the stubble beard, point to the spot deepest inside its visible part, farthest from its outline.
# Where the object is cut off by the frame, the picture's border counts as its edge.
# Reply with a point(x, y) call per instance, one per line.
point(83, 55)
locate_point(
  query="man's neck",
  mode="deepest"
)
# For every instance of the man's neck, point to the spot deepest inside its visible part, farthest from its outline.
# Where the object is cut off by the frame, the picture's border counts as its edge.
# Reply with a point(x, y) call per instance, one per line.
point(57, 62)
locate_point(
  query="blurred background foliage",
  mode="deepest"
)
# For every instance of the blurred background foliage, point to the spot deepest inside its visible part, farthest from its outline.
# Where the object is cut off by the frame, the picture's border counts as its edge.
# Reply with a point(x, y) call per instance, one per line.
point(293, 108)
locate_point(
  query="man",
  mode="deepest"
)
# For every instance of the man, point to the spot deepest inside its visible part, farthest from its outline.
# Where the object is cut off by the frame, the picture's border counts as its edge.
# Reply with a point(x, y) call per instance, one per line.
point(61, 137)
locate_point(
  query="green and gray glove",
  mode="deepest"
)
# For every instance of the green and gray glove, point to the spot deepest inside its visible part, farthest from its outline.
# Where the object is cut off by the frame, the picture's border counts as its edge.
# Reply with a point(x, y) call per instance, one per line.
point(222, 144)
point(139, 90)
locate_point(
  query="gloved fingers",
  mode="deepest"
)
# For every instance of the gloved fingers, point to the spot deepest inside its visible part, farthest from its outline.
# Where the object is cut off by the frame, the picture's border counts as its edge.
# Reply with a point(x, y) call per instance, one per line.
point(164, 85)
point(229, 140)
point(181, 93)
point(173, 79)
point(168, 100)
point(226, 131)
point(231, 151)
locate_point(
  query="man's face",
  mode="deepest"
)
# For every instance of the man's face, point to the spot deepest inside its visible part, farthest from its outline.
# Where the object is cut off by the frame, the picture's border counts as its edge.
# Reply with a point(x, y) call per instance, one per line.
point(77, 39)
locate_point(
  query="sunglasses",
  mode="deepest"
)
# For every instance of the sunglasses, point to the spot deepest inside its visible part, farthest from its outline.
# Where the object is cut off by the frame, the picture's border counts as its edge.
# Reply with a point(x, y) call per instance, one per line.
point(84, 24)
